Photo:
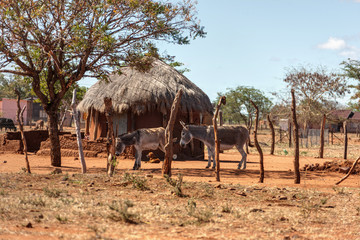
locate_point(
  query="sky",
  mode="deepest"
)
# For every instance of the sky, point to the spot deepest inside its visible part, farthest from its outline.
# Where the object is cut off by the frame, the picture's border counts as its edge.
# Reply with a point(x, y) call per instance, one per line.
point(254, 42)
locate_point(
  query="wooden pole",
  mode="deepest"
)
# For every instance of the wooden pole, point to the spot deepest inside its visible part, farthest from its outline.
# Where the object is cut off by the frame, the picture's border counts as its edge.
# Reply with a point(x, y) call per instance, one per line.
point(296, 139)
point(111, 160)
point(20, 121)
point(261, 178)
point(322, 130)
point(350, 171)
point(271, 125)
point(76, 117)
point(222, 100)
point(166, 168)
point(289, 133)
point(345, 140)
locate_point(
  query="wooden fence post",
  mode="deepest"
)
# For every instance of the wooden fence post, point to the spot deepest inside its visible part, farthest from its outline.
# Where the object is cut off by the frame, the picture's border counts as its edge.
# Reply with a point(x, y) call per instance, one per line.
point(271, 125)
point(322, 129)
point(289, 133)
point(345, 139)
point(20, 120)
point(111, 160)
point(296, 140)
point(222, 100)
point(261, 178)
point(166, 168)
point(76, 117)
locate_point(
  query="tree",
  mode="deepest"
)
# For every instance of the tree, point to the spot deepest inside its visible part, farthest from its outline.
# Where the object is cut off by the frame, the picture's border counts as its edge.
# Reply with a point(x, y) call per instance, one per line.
point(316, 91)
point(56, 43)
point(8, 84)
point(352, 70)
point(238, 107)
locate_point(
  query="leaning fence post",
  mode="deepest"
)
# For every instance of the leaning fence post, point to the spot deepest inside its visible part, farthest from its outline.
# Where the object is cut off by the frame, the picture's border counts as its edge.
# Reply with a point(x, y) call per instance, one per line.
point(261, 179)
point(166, 168)
point(222, 100)
point(296, 138)
point(111, 160)
point(20, 120)
point(78, 131)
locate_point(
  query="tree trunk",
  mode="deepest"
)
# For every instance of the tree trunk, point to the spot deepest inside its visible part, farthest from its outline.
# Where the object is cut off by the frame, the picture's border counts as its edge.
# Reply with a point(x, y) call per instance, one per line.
point(166, 168)
point(322, 130)
point(55, 150)
point(261, 178)
point(222, 100)
point(296, 140)
point(271, 125)
point(111, 160)
point(345, 140)
point(78, 131)
point(19, 116)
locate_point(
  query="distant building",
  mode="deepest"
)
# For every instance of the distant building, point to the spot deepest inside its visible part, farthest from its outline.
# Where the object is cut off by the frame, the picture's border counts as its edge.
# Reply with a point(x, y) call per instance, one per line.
point(32, 112)
point(337, 117)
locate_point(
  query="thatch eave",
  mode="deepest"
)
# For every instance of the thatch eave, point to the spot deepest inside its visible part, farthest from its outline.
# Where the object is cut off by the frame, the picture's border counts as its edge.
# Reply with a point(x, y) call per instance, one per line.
point(144, 92)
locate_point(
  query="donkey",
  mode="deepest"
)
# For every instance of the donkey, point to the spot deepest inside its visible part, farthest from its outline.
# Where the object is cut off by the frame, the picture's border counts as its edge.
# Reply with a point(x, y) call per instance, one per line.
point(229, 137)
point(39, 124)
point(141, 139)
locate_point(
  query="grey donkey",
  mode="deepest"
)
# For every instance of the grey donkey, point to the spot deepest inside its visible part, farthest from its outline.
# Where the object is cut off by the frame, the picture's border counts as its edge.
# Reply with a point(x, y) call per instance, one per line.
point(141, 139)
point(229, 137)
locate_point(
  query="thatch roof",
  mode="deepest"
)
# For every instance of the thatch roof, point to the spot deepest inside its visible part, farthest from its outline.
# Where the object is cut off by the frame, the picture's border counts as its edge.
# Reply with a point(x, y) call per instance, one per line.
point(146, 91)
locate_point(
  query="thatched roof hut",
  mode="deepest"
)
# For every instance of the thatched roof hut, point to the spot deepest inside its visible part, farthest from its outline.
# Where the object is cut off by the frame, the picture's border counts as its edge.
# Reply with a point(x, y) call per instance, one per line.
point(144, 99)
point(141, 92)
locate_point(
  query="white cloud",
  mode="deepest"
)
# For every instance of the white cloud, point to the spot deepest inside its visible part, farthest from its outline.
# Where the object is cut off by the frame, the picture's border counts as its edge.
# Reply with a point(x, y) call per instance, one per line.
point(333, 44)
point(351, 52)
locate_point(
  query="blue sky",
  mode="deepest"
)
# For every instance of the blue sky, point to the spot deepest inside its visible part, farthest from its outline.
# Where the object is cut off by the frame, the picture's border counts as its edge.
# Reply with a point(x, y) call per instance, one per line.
point(253, 42)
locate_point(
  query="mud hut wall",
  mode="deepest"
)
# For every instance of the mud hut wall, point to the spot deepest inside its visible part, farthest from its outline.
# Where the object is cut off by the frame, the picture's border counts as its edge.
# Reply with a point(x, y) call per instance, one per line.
point(97, 125)
point(120, 123)
point(149, 120)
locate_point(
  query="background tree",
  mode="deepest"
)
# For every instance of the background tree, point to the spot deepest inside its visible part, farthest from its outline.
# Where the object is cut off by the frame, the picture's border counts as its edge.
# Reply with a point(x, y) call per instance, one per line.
point(316, 91)
point(238, 107)
point(58, 42)
point(9, 83)
point(351, 69)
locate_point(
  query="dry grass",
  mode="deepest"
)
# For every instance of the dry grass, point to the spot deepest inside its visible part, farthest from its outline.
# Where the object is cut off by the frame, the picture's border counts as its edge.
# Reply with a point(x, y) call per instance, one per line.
point(136, 206)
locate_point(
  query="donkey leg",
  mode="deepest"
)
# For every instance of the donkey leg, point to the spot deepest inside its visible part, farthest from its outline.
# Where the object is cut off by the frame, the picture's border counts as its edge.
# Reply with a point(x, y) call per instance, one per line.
point(213, 157)
point(137, 164)
point(243, 159)
point(209, 157)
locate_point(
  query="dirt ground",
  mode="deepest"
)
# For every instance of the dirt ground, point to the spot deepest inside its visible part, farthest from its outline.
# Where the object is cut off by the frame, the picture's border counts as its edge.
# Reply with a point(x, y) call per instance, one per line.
point(278, 169)
point(192, 205)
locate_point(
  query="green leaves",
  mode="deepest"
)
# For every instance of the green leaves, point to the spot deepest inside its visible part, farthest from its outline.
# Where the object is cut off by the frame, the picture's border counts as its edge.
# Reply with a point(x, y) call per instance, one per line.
point(238, 107)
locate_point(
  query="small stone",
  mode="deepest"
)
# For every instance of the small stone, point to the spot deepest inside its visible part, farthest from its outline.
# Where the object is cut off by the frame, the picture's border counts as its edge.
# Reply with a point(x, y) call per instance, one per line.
point(257, 210)
point(5, 162)
point(241, 194)
point(29, 225)
point(149, 175)
point(56, 171)
point(344, 169)
point(282, 198)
